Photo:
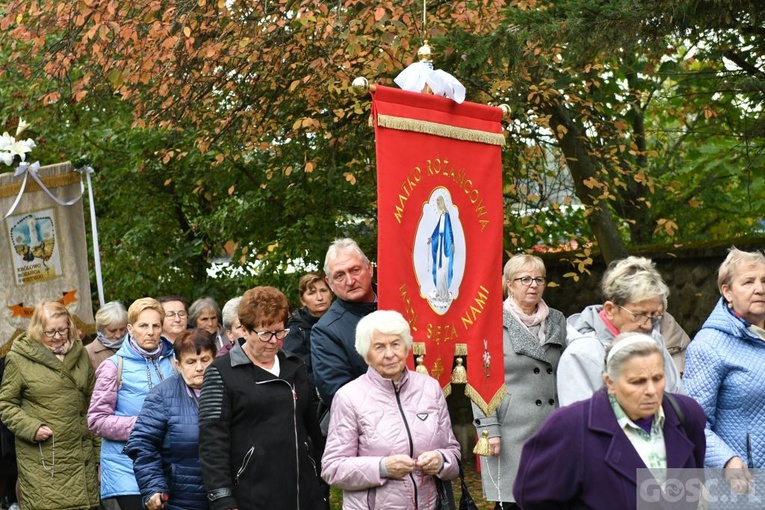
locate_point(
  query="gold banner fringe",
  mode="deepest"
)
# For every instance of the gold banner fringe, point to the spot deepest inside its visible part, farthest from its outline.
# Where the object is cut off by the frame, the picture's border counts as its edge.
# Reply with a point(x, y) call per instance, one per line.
point(447, 390)
point(460, 349)
point(52, 182)
point(434, 128)
point(489, 408)
point(418, 348)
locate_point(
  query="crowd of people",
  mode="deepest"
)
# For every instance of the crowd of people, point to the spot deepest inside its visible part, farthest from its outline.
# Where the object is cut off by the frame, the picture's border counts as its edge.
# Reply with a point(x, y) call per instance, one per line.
point(178, 406)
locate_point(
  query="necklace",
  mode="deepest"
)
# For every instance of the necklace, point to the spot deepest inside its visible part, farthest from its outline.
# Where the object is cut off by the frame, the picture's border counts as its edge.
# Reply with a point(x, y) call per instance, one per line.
point(52, 467)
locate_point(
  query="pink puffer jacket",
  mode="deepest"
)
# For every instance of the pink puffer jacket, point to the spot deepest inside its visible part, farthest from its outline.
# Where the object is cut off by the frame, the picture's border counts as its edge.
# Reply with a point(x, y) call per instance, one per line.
point(369, 421)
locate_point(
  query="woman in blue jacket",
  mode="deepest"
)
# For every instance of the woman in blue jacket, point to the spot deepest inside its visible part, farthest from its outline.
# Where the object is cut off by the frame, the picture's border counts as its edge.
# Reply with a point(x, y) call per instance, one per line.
point(724, 369)
point(164, 444)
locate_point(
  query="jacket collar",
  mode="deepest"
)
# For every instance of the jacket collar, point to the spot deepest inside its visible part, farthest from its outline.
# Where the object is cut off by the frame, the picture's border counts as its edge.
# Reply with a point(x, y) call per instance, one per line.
point(525, 343)
point(358, 308)
point(387, 384)
point(621, 456)
point(238, 358)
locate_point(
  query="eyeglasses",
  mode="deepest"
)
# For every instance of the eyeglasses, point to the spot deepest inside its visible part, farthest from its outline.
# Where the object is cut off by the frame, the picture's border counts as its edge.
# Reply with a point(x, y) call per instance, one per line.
point(180, 314)
point(60, 332)
point(355, 272)
point(641, 318)
point(267, 336)
point(526, 280)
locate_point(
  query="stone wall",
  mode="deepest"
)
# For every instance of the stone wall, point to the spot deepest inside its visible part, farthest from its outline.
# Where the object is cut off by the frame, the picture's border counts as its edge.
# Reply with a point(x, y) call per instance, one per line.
point(690, 272)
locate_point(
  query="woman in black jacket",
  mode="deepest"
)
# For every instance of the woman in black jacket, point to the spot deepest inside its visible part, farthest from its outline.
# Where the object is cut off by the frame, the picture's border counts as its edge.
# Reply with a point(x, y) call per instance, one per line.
point(255, 426)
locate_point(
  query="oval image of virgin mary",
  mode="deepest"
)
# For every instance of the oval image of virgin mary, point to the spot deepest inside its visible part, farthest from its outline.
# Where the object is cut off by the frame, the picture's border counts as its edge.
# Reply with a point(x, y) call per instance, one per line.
point(439, 251)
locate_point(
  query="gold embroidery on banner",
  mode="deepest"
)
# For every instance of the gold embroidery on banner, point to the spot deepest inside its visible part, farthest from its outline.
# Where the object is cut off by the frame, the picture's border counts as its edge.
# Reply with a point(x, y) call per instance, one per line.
point(51, 182)
point(434, 128)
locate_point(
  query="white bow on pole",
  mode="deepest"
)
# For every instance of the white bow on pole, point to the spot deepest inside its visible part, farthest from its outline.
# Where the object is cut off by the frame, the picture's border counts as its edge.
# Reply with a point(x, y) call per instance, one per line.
point(418, 74)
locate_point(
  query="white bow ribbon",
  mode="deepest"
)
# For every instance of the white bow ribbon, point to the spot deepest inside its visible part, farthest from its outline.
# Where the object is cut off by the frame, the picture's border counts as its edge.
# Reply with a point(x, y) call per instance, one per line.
point(31, 170)
point(418, 74)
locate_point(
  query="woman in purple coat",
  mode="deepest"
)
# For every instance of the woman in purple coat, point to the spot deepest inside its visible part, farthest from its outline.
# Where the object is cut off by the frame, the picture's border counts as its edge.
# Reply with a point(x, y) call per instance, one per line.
point(587, 455)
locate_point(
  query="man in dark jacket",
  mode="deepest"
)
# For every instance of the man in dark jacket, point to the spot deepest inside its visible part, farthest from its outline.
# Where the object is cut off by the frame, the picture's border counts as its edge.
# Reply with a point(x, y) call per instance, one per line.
point(333, 338)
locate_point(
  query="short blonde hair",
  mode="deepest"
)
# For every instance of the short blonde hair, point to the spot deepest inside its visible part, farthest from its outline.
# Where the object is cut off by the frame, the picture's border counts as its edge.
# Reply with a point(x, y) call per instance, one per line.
point(737, 258)
point(142, 304)
point(386, 322)
point(514, 266)
point(49, 310)
point(632, 280)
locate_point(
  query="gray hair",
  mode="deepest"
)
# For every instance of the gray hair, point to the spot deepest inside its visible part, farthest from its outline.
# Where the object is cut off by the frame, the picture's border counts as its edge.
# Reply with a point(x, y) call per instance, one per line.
point(514, 266)
point(735, 259)
point(112, 312)
point(632, 280)
point(201, 305)
point(342, 246)
point(633, 344)
point(231, 312)
point(386, 322)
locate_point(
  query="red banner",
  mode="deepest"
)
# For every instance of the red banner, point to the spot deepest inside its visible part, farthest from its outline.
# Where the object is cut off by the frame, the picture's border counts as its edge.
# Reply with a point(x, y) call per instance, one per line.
point(439, 169)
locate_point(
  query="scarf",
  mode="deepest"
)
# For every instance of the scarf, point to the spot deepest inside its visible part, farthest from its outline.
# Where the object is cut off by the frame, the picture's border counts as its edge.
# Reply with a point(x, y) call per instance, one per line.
point(535, 322)
point(143, 352)
point(110, 344)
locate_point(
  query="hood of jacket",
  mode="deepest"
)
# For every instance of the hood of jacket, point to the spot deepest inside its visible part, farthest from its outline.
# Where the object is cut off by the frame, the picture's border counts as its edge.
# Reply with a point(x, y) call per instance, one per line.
point(722, 319)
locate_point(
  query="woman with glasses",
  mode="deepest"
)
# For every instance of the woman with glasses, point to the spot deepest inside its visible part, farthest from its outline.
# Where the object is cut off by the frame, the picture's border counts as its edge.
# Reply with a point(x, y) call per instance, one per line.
point(44, 396)
point(176, 318)
point(635, 299)
point(534, 337)
point(256, 430)
point(122, 383)
point(725, 369)
point(111, 331)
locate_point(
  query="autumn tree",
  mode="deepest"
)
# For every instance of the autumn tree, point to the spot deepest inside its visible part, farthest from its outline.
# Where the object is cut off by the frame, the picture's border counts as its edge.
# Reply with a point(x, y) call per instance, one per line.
point(229, 127)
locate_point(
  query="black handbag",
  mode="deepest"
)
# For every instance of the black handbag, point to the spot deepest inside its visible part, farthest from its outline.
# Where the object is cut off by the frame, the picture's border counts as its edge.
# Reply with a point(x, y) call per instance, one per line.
point(445, 495)
point(466, 500)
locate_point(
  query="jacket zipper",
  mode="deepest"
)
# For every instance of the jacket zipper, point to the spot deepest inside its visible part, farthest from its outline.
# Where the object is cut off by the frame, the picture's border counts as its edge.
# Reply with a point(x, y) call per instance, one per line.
point(245, 461)
point(411, 443)
point(294, 427)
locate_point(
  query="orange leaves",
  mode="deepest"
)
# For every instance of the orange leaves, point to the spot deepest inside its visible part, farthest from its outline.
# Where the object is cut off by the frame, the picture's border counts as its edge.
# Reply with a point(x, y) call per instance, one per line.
point(668, 226)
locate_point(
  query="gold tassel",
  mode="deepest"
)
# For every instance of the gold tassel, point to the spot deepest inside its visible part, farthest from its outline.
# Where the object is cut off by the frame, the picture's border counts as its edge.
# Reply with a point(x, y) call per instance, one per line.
point(482, 445)
point(459, 375)
point(420, 366)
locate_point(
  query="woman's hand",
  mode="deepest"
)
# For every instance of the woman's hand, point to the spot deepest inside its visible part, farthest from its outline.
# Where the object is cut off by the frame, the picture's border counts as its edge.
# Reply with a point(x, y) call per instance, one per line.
point(737, 476)
point(43, 433)
point(398, 466)
point(429, 462)
point(495, 445)
point(155, 502)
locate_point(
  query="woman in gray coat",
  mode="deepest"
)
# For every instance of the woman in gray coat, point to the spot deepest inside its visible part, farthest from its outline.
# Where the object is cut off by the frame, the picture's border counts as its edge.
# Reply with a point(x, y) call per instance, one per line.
point(534, 336)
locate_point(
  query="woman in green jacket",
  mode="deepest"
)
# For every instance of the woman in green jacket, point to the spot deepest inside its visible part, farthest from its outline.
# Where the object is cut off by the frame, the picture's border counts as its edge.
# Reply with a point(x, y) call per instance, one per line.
point(44, 401)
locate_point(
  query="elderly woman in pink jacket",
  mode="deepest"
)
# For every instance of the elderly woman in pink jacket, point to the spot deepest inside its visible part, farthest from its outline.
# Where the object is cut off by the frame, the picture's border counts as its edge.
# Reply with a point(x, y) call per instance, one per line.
point(390, 434)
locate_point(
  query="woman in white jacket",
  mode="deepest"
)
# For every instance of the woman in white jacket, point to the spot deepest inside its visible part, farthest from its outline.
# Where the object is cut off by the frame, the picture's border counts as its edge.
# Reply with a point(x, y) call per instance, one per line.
point(389, 433)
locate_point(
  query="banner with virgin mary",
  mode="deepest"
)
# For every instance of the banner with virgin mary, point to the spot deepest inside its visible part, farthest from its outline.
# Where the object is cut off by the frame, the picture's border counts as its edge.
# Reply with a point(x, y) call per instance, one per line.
point(440, 219)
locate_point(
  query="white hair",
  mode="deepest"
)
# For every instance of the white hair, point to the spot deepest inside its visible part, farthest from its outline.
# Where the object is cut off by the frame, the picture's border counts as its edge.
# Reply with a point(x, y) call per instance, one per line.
point(386, 322)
